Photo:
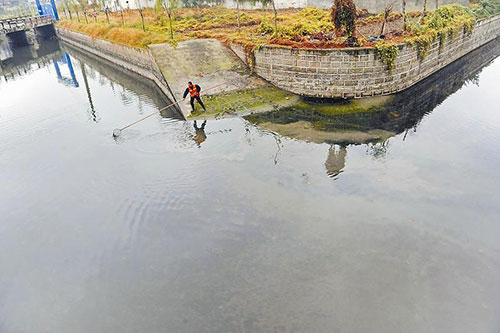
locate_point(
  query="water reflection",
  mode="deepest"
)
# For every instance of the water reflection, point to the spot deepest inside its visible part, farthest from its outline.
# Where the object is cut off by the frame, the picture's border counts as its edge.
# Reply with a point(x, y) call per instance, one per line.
point(66, 59)
point(383, 117)
point(246, 233)
point(373, 122)
point(5, 50)
point(20, 61)
point(17, 62)
point(93, 115)
point(200, 135)
point(133, 88)
point(335, 162)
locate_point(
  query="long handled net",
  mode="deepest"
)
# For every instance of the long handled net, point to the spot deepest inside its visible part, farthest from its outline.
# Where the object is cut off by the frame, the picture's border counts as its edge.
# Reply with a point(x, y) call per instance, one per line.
point(117, 132)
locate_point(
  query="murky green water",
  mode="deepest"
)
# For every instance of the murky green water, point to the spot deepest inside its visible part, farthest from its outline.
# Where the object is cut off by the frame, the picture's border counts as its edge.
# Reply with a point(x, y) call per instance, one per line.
point(296, 221)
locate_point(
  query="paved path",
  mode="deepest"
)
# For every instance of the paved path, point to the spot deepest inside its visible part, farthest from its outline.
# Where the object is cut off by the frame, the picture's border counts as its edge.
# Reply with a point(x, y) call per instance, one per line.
point(206, 62)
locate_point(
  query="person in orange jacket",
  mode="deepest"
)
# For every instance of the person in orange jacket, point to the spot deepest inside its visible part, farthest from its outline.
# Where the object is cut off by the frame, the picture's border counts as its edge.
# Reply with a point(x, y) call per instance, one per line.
point(194, 91)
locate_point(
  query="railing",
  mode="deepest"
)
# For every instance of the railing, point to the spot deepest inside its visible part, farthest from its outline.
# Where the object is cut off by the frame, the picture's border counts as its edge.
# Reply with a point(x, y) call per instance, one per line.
point(22, 23)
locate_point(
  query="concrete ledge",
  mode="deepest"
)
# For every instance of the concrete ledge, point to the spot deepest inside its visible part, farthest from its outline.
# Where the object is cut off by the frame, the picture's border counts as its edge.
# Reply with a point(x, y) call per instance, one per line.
point(358, 72)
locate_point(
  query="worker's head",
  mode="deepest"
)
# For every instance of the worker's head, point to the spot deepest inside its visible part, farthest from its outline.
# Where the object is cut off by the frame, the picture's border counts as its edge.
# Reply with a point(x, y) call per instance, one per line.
point(190, 83)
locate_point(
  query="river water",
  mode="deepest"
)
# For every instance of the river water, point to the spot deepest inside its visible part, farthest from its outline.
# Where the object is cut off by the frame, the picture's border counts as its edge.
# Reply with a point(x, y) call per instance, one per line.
point(386, 221)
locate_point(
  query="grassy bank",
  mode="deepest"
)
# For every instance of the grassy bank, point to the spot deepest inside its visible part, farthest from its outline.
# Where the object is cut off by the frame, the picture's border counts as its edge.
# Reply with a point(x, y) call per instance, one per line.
point(309, 27)
point(485, 8)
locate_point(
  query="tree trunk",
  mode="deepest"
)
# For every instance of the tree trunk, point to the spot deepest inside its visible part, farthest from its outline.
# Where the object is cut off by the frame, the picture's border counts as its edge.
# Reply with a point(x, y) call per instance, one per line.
point(86, 19)
point(170, 14)
point(405, 25)
point(238, 13)
point(107, 14)
point(387, 12)
point(275, 18)
point(424, 11)
point(170, 24)
point(142, 19)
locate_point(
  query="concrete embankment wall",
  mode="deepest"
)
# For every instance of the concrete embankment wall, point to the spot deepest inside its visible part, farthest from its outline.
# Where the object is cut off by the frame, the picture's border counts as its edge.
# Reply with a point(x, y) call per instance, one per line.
point(137, 60)
point(358, 72)
point(208, 63)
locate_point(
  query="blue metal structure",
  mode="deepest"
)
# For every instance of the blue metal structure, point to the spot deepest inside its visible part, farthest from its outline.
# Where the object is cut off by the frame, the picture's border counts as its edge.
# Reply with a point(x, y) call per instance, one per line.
point(66, 59)
point(47, 9)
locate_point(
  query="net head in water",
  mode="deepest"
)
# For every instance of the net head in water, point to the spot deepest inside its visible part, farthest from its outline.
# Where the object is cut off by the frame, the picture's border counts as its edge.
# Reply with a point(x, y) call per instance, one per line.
point(117, 132)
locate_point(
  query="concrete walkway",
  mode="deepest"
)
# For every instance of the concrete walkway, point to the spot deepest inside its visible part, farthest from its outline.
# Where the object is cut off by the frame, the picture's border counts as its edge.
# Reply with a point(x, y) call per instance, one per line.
point(206, 62)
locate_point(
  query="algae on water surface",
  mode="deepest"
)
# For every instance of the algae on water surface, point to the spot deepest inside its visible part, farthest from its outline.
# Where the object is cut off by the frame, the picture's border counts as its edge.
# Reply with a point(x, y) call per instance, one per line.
point(244, 102)
point(265, 99)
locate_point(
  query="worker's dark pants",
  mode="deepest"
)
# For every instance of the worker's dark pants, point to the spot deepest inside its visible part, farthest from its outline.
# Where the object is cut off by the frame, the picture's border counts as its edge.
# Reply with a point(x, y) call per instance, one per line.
point(199, 101)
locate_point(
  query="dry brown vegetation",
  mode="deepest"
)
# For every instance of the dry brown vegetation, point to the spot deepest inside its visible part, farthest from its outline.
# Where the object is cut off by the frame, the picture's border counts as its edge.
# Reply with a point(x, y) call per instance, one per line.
point(310, 27)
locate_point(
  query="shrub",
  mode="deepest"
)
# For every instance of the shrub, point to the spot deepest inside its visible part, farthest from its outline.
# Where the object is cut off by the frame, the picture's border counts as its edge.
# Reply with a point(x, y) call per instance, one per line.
point(485, 8)
point(344, 15)
point(387, 52)
point(446, 21)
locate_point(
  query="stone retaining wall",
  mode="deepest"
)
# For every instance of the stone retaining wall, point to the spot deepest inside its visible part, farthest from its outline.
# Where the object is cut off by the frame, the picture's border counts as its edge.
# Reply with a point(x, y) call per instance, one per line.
point(134, 59)
point(358, 72)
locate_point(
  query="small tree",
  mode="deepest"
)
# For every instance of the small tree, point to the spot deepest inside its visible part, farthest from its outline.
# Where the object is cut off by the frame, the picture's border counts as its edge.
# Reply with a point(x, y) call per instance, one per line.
point(158, 8)
point(387, 12)
point(83, 4)
point(142, 15)
point(424, 11)
point(405, 23)
point(344, 16)
point(275, 18)
point(68, 6)
point(170, 9)
point(238, 14)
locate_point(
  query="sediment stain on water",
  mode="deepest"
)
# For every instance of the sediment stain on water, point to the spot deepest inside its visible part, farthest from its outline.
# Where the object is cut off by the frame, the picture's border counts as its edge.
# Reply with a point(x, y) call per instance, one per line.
point(246, 231)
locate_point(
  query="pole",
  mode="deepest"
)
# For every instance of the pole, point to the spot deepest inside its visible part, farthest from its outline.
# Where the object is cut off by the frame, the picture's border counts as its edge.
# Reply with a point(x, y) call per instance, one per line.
point(39, 7)
point(117, 132)
point(54, 9)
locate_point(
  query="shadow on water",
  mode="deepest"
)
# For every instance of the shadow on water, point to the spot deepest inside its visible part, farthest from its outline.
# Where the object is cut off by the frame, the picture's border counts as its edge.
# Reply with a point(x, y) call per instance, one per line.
point(377, 119)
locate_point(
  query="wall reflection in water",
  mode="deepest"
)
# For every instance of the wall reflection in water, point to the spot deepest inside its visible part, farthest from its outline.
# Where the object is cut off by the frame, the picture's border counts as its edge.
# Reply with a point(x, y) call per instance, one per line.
point(19, 61)
point(65, 62)
point(369, 122)
point(374, 121)
point(131, 87)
